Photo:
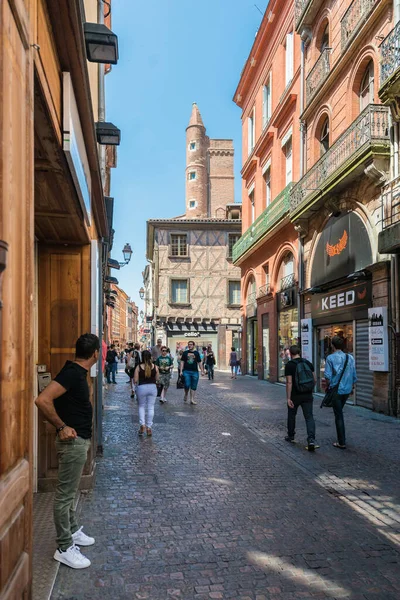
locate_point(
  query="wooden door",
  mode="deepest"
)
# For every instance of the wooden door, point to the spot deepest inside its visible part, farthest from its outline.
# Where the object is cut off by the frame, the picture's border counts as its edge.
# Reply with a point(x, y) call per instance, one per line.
point(64, 314)
point(16, 364)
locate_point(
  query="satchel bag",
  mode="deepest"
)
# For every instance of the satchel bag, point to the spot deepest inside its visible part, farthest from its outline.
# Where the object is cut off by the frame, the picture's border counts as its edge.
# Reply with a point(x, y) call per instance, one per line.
point(331, 392)
point(179, 384)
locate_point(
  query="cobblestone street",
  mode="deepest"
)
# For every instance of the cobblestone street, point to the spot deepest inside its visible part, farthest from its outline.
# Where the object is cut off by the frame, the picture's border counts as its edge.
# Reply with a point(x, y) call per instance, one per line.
point(217, 505)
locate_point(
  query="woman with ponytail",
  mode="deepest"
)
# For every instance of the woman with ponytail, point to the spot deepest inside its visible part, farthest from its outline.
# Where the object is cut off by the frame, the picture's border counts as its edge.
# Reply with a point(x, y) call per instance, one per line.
point(146, 378)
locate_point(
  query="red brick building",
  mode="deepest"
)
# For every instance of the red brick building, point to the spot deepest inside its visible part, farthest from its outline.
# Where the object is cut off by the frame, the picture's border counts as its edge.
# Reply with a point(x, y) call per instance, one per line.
point(309, 254)
point(269, 95)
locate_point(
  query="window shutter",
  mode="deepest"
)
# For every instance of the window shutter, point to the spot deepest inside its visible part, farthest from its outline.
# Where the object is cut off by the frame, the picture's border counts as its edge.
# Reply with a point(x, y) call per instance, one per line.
point(289, 57)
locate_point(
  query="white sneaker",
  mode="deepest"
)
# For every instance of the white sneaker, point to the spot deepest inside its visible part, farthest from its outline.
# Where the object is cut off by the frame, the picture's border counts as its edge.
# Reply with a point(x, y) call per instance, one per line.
point(81, 539)
point(72, 557)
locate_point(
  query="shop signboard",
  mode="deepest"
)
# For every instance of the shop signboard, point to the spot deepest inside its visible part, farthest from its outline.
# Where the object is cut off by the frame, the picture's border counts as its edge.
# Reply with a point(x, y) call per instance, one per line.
point(306, 339)
point(342, 248)
point(346, 298)
point(74, 147)
point(378, 339)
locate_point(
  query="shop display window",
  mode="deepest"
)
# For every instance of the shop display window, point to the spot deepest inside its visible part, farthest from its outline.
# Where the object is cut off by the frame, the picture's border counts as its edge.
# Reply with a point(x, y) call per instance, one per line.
point(324, 338)
point(288, 335)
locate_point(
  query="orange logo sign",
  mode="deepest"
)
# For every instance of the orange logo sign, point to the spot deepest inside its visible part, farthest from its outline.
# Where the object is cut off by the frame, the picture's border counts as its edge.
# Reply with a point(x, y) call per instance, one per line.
point(338, 248)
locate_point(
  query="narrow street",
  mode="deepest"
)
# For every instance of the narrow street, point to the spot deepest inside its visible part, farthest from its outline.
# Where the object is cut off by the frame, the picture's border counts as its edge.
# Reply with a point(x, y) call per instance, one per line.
point(217, 505)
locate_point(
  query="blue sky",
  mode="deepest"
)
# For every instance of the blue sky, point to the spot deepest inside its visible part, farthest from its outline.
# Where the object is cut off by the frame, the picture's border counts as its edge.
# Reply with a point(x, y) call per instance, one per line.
point(172, 53)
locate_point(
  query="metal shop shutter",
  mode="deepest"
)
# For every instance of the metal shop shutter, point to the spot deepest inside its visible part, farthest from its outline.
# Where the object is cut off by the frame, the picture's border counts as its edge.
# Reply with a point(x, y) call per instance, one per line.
point(365, 377)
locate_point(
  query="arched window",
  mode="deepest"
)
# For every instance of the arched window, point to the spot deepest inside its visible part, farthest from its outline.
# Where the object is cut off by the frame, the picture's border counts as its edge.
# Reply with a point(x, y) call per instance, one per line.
point(324, 137)
point(324, 39)
point(251, 291)
point(367, 86)
point(286, 272)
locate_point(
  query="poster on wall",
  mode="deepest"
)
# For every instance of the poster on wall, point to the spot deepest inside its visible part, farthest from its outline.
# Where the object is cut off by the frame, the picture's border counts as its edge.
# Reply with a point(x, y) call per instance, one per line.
point(378, 339)
point(306, 339)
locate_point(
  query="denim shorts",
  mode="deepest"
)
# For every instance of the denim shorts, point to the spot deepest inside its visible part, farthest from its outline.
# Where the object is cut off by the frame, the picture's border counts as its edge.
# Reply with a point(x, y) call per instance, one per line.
point(191, 379)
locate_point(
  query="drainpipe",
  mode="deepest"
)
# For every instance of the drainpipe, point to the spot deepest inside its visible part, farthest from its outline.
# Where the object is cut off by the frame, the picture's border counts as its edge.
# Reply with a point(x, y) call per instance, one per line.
point(305, 40)
point(395, 149)
point(101, 99)
point(100, 247)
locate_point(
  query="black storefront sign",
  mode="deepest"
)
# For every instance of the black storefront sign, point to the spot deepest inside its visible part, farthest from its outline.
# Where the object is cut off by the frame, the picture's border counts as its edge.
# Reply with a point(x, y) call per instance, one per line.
point(287, 299)
point(343, 301)
point(343, 248)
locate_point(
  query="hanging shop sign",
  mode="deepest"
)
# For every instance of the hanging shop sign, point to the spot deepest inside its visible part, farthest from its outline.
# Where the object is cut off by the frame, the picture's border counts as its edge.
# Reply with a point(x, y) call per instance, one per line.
point(287, 299)
point(306, 339)
point(378, 339)
point(353, 296)
point(343, 248)
point(74, 147)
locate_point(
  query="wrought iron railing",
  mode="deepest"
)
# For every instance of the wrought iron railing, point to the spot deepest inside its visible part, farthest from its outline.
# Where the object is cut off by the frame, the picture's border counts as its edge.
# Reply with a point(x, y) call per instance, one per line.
point(391, 203)
point(299, 8)
point(318, 74)
point(264, 290)
point(268, 218)
point(353, 19)
point(371, 126)
point(390, 54)
point(287, 282)
point(251, 298)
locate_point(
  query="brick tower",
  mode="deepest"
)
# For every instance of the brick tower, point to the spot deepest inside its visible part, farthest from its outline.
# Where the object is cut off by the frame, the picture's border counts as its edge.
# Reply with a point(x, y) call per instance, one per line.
point(197, 144)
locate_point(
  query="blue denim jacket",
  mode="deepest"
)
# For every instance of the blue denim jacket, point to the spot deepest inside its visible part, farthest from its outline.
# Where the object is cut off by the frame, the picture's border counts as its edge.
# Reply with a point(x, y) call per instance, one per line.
point(333, 368)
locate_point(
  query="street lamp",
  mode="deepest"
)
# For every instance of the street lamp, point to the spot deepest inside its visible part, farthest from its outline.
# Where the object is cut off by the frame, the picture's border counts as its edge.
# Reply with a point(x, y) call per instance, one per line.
point(107, 134)
point(127, 252)
point(141, 293)
point(101, 44)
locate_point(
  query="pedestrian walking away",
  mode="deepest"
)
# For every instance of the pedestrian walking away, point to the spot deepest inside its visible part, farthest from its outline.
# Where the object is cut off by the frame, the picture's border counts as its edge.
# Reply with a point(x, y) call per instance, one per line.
point(190, 371)
point(300, 382)
point(128, 352)
point(210, 363)
point(133, 360)
point(165, 364)
point(338, 372)
point(112, 362)
point(233, 359)
point(156, 350)
point(146, 379)
point(66, 404)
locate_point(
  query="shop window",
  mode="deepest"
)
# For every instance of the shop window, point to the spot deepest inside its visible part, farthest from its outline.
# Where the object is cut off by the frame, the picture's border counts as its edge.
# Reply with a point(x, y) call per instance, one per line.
point(234, 293)
point(180, 291)
point(367, 87)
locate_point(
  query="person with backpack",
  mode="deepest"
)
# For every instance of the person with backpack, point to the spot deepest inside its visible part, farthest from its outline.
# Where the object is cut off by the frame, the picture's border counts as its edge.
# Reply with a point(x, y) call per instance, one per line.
point(112, 362)
point(210, 363)
point(300, 382)
point(134, 358)
point(340, 372)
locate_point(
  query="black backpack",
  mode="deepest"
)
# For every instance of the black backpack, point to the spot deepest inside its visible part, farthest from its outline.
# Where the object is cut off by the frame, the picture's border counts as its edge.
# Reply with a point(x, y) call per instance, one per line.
point(110, 357)
point(303, 378)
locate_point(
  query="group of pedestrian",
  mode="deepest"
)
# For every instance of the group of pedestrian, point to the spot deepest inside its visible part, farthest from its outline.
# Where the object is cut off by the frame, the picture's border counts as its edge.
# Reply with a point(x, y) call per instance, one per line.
point(340, 377)
point(66, 404)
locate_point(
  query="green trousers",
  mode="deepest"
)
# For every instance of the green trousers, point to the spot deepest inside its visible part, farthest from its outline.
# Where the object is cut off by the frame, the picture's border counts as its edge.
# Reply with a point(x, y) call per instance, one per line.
point(71, 460)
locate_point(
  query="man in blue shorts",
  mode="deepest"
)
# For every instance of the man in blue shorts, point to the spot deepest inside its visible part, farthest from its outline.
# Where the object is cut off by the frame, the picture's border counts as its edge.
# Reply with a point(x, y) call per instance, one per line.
point(190, 371)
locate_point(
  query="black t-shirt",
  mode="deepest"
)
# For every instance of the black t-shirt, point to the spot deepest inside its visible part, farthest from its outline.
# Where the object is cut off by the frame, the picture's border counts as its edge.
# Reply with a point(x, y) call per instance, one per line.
point(191, 359)
point(110, 357)
point(74, 407)
point(290, 369)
